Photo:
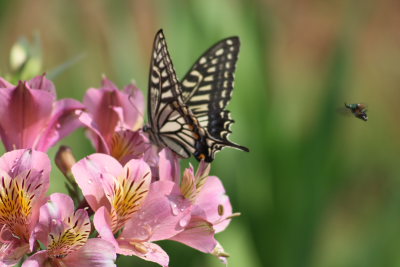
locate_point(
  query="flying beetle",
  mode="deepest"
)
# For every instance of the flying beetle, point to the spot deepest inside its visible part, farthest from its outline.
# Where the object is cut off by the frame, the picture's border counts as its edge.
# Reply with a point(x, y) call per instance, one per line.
point(359, 110)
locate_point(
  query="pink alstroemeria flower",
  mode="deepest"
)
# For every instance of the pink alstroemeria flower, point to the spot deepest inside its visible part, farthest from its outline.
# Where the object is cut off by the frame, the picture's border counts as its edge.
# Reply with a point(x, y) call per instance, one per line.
point(112, 117)
point(65, 233)
point(211, 211)
point(24, 181)
point(30, 116)
point(131, 212)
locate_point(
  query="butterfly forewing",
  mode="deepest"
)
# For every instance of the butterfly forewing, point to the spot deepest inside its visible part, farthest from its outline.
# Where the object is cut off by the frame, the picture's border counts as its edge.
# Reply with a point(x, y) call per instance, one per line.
point(207, 88)
point(170, 120)
point(163, 84)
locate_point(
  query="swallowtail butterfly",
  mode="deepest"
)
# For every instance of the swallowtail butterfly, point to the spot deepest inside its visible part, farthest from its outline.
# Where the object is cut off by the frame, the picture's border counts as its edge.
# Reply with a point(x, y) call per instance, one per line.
point(189, 117)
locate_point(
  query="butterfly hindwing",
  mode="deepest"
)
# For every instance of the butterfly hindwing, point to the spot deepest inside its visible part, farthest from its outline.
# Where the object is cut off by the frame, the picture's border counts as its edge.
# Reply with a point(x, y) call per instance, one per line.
point(207, 88)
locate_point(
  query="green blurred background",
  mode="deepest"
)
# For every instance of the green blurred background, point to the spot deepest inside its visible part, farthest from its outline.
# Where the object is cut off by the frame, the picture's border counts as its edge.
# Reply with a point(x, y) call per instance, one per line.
point(317, 189)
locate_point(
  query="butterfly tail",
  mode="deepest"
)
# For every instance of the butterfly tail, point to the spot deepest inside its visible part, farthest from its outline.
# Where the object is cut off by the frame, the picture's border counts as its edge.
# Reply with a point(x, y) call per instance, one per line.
point(233, 145)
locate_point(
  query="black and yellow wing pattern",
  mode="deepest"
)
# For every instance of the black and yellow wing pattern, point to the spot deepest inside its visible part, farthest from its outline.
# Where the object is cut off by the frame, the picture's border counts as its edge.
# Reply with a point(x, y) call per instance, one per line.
point(178, 117)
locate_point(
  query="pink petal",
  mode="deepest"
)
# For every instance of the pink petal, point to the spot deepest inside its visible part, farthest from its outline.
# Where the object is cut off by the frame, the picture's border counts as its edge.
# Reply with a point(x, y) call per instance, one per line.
point(6, 234)
point(67, 235)
point(95, 253)
point(112, 109)
point(5, 84)
point(24, 114)
point(213, 201)
point(59, 206)
point(12, 252)
point(130, 105)
point(120, 113)
point(169, 166)
point(80, 222)
point(102, 223)
point(31, 171)
point(198, 234)
point(192, 183)
point(188, 184)
point(164, 214)
point(18, 161)
point(138, 170)
point(32, 166)
point(41, 83)
point(52, 214)
point(91, 173)
point(135, 172)
point(127, 191)
point(100, 105)
point(151, 156)
point(145, 250)
point(126, 145)
point(64, 120)
point(94, 134)
point(133, 107)
point(108, 84)
point(203, 170)
point(36, 260)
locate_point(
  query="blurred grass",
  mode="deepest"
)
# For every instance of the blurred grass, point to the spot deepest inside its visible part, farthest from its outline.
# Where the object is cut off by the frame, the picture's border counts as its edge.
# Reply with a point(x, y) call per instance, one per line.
point(317, 189)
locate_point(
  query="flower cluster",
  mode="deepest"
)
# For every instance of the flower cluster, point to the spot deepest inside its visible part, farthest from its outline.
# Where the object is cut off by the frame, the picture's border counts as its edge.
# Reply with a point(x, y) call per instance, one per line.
point(128, 195)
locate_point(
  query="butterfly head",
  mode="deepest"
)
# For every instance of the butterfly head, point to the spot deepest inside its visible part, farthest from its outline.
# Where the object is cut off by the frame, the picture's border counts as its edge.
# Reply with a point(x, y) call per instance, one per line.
point(146, 128)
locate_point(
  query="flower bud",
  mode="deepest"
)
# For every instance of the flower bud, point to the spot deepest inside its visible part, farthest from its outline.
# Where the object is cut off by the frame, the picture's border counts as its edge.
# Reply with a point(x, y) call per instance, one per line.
point(18, 57)
point(64, 161)
point(26, 58)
